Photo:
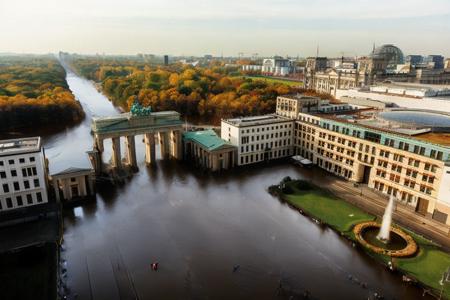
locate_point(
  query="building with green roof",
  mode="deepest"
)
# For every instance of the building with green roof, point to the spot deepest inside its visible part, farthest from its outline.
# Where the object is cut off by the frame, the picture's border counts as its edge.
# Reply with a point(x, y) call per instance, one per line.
point(206, 149)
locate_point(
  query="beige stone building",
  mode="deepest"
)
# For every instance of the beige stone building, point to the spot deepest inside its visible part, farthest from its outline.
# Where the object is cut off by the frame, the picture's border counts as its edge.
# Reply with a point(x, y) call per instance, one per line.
point(207, 150)
point(414, 169)
point(291, 105)
point(329, 81)
point(73, 184)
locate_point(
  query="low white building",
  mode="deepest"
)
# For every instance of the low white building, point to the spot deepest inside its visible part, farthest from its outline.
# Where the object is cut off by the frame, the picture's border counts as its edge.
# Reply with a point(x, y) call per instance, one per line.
point(259, 138)
point(278, 66)
point(22, 174)
point(252, 68)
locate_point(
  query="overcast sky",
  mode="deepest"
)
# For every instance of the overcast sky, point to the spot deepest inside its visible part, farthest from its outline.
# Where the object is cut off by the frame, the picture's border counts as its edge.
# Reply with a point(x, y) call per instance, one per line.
point(197, 27)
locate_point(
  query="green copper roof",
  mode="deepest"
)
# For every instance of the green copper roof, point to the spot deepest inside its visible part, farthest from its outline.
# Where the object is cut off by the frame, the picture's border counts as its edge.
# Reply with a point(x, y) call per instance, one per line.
point(207, 138)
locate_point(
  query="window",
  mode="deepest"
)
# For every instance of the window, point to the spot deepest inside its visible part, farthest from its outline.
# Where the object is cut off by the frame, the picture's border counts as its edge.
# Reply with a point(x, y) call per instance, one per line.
point(2, 174)
point(24, 172)
point(5, 188)
point(16, 186)
point(1, 162)
point(36, 183)
point(9, 203)
point(39, 197)
point(26, 184)
point(29, 199)
point(32, 159)
point(13, 173)
point(11, 161)
point(19, 200)
point(22, 160)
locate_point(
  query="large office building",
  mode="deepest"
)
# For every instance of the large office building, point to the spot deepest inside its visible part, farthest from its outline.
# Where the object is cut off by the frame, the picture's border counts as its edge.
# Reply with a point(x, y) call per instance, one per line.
point(331, 80)
point(414, 169)
point(411, 164)
point(435, 62)
point(259, 138)
point(22, 174)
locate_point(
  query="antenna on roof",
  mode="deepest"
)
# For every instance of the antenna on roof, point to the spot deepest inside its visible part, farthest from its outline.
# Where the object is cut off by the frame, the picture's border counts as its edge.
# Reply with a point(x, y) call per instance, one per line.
point(373, 50)
point(317, 51)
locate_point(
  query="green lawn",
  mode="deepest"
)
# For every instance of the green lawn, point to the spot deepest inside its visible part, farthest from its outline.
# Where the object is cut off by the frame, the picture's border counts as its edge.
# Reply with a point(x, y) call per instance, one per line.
point(275, 80)
point(427, 266)
point(327, 208)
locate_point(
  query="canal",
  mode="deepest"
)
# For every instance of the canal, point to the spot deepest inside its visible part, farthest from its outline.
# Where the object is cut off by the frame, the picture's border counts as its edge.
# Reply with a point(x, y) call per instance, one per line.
point(199, 228)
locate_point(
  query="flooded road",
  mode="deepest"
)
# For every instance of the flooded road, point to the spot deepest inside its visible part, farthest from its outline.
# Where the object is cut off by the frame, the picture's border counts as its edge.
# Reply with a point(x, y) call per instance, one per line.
point(199, 228)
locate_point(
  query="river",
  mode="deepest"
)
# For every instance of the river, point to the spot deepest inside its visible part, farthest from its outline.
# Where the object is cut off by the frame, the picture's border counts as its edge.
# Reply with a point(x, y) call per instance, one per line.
point(198, 227)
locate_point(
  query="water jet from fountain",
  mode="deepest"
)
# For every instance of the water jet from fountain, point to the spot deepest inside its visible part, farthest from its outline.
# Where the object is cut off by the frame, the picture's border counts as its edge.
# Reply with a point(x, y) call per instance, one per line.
point(385, 229)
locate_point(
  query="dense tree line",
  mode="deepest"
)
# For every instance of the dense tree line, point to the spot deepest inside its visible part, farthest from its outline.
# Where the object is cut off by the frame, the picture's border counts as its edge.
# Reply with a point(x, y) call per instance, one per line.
point(212, 92)
point(34, 92)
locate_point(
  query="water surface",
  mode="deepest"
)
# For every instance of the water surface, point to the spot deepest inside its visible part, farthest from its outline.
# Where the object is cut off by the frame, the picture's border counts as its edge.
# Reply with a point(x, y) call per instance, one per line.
point(199, 228)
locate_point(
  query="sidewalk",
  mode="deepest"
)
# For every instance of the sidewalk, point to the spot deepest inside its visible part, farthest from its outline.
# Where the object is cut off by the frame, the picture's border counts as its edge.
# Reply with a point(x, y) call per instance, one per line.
point(375, 203)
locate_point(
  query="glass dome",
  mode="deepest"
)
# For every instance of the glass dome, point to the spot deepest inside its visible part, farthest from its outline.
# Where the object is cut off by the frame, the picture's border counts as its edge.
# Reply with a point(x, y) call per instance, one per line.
point(392, 54)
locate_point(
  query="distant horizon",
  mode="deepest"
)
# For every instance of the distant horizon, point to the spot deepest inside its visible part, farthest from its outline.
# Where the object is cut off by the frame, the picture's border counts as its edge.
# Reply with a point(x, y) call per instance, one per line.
point(203, 54)
point(198, 27)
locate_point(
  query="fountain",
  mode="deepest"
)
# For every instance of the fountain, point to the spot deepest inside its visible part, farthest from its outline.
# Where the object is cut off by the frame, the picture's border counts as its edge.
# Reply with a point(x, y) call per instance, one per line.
point(385, 239)
point(385, 229)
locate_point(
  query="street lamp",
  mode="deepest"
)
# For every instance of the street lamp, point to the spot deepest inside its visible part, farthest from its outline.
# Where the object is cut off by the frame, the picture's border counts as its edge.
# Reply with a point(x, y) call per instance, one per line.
point(444, 279)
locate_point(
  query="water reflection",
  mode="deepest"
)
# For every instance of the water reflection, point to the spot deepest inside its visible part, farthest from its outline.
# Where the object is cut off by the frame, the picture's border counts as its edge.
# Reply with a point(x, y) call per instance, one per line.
point(199, 227)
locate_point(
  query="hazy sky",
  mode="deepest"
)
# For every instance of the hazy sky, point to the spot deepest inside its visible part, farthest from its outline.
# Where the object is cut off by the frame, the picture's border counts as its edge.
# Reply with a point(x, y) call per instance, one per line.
point(197, 27)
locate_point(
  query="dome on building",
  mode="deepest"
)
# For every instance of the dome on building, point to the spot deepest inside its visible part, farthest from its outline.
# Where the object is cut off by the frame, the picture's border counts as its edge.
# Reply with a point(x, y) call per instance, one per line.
point(392, 55)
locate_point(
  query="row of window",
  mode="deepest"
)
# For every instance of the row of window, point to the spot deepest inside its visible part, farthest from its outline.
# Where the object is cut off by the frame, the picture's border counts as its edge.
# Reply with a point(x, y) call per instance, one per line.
point(260, 147)
point(435, 154)
point(253, 130)
point(26, 172)
point(248, 139)
point(335, 168)
point(406, 182)
point(387, 142)
point(13, 161)
point(16, 185)
point(20, 201)
point(252, 158)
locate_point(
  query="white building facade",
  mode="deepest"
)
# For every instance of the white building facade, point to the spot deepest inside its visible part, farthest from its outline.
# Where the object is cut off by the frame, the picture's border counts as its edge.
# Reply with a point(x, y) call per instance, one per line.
point(259, 138)
point(22, 174)
point(277, 66)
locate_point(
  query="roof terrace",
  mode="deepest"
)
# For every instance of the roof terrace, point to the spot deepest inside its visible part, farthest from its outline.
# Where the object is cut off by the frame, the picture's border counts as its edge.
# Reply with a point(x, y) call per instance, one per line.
point(18, 146)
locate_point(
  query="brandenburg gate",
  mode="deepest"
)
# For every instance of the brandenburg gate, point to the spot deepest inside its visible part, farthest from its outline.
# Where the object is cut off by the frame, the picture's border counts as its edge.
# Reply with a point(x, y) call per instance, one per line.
point(166, 125)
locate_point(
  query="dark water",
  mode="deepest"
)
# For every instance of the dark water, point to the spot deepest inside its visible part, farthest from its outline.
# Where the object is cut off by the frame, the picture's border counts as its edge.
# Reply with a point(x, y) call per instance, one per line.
point(199, 227)
point(421, 118)
point(396, 242)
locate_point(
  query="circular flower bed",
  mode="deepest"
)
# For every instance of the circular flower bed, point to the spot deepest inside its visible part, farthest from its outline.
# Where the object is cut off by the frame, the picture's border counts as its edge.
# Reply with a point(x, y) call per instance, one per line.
point(409, 249)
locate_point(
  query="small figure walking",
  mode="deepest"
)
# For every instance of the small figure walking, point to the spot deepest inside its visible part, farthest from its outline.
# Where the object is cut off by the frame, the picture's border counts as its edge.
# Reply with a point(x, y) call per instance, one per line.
point(154, 266)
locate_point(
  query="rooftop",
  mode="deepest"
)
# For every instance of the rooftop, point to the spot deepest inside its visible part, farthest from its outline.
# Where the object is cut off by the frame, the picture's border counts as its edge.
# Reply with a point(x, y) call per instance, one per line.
point(299, 96)
point(256, 120)
point(18, 146)
point(73, 170)
point(421, 133)
point(435, 138)
point(207, 138)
